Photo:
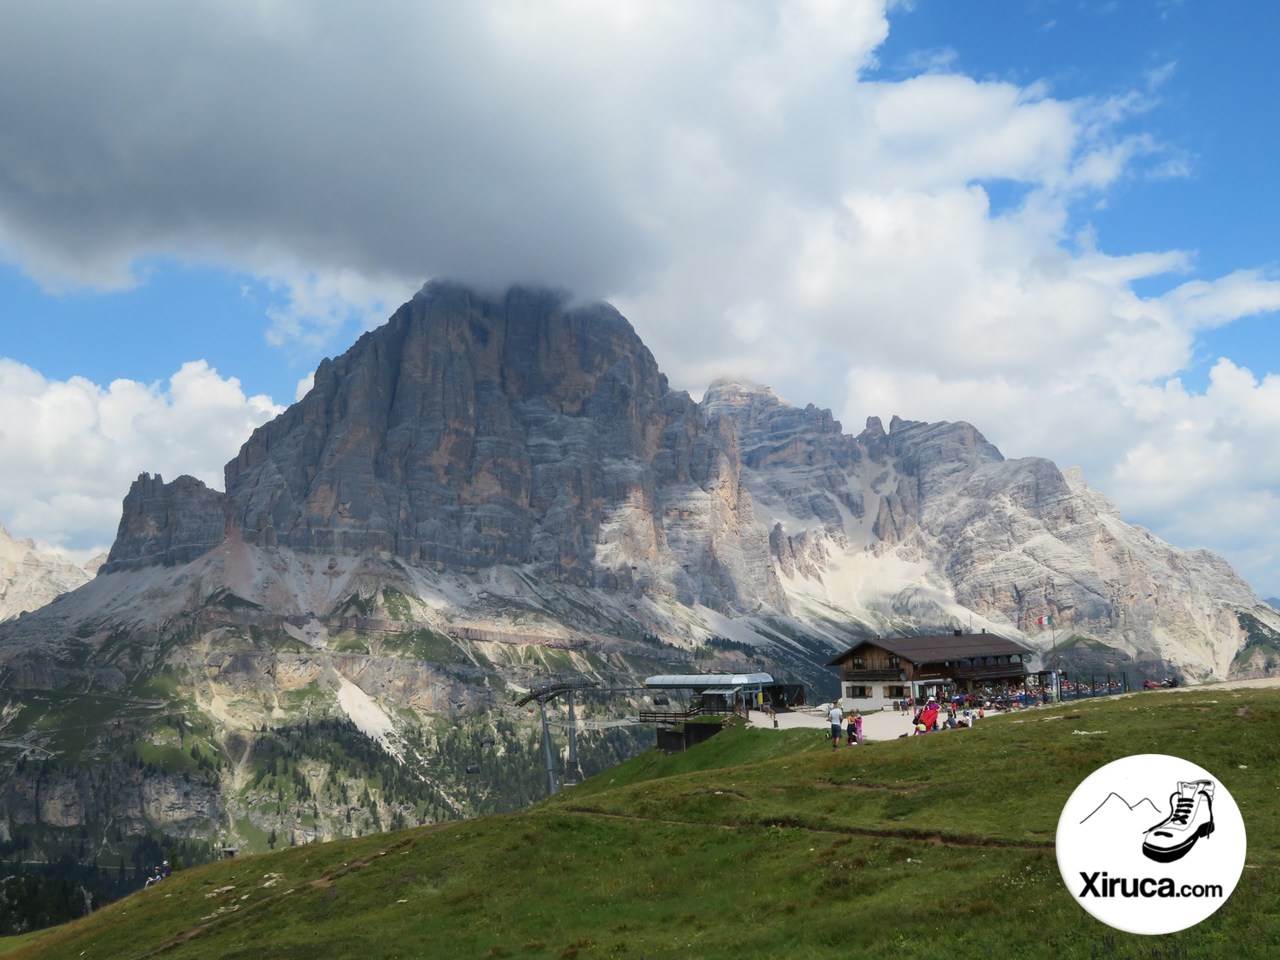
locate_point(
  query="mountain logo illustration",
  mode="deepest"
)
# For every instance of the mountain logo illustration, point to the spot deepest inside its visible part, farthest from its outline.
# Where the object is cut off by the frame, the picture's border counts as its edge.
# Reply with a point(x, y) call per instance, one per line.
point(1110, 808)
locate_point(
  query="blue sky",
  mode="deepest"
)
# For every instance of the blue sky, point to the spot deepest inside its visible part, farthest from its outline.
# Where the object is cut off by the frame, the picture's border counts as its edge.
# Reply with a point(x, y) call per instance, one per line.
point(1053, 219)
point(146, 332)
point(1208, 74)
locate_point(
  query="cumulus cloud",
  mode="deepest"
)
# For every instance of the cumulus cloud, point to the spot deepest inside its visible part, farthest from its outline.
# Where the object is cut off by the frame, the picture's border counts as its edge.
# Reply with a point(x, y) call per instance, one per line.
point(81, 445)
point(732, 175)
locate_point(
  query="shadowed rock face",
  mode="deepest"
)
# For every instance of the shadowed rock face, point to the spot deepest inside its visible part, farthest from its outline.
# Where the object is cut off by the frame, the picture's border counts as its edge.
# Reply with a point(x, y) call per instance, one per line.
point(166, 523)
point(465, 432)
point(472, 431)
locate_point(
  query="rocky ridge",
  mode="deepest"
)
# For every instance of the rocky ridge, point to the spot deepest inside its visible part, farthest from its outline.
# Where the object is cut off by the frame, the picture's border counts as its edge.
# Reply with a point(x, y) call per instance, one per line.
point(929, 523)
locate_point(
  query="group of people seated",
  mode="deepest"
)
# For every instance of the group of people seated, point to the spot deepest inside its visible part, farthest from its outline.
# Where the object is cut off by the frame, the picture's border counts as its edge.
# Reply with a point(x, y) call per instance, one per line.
point(931, 717)
point(158, 874)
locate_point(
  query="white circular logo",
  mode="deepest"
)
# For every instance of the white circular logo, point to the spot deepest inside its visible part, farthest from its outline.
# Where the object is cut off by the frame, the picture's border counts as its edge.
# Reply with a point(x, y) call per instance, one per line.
point(1151, 844)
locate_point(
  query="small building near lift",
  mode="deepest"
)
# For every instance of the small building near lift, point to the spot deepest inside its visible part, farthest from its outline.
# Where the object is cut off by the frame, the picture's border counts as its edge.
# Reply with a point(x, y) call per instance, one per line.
point(876, 673)
point(712, 692)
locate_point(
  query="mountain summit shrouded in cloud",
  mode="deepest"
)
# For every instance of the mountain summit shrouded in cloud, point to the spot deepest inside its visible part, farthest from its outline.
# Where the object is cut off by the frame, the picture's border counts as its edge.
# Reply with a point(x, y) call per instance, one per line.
point(878, 206)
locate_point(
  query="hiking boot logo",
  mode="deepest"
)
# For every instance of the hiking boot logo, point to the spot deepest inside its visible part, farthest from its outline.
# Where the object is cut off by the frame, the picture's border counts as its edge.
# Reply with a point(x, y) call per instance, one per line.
point(1126, 856)
point(1190, 818)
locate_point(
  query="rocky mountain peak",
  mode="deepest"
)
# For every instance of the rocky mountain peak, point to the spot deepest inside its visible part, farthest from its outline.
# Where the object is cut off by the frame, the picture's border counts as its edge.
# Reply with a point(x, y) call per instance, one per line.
point(471, 431)
point(524, 431)
point(756, 409)
point(874, 430)
point(31, 577)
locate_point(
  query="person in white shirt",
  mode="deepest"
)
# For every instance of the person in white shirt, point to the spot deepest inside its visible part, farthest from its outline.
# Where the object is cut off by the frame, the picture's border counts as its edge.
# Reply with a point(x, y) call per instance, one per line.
point(835, 716)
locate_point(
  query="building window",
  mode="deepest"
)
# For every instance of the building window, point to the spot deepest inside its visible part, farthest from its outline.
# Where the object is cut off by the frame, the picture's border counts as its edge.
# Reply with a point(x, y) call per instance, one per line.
point(857, 693)
point(895, 693)
point(858, 663)
point(894, 663)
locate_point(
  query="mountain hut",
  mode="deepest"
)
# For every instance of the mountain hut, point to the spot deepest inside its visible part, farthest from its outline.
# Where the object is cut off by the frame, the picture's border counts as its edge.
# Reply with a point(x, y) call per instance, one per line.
point(876, 673)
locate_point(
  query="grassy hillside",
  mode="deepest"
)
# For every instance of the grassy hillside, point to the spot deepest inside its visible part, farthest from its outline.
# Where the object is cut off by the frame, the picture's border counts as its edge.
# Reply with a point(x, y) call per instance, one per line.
point(757, 843)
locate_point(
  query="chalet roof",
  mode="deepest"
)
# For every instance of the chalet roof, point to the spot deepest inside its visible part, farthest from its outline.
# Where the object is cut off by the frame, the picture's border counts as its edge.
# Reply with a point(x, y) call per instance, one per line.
point(706, 681)
point(940, 648)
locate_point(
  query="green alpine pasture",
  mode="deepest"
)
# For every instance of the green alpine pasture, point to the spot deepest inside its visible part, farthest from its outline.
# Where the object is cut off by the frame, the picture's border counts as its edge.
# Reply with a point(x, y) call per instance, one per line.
point(756, 843)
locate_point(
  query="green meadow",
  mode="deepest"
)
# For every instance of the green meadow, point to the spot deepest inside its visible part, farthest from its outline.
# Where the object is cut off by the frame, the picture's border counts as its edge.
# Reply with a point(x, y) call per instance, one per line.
point(756, 843)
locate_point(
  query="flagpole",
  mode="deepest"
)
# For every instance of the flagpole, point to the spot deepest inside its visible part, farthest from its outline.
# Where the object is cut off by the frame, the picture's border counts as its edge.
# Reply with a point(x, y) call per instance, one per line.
point(1053, 653)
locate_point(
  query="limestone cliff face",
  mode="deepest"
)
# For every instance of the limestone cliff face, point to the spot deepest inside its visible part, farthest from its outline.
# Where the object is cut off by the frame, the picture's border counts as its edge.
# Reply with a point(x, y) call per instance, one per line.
point(800, 465)
point(1008, 541)
point(166, 523)
point(521, 432)
point(71, 799)
point(30, 578)
point(471, 432)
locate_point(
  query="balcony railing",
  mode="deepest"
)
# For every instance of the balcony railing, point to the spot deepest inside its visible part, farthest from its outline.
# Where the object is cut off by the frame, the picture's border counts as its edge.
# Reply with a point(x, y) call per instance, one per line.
point(981, 672)
point(871, 673)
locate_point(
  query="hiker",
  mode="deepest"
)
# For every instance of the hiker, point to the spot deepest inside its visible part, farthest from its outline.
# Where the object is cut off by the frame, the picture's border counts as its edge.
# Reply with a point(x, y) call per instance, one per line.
point(857, 725)
point(851, 731)
point(165, 870)
point(835, 716)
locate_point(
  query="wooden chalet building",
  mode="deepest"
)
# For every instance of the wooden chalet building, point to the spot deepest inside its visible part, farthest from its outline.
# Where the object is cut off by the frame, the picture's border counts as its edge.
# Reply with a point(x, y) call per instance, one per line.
point(875, 673)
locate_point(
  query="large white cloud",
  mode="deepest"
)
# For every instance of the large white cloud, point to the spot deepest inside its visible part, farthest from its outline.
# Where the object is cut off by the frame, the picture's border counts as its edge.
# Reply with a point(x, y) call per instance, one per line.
point(71, 448)
point(724, 171)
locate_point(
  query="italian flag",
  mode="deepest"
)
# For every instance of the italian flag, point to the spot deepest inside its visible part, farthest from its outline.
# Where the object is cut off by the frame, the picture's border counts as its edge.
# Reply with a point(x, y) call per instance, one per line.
point(1046, 621)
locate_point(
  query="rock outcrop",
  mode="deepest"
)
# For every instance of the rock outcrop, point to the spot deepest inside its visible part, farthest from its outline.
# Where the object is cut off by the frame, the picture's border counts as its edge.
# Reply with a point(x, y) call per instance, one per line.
point(166, 524)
